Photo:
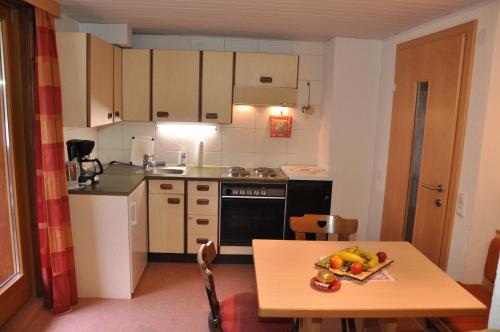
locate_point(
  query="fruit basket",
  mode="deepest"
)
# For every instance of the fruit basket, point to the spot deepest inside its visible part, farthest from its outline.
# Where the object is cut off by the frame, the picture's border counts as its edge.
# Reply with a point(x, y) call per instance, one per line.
point(355, 263)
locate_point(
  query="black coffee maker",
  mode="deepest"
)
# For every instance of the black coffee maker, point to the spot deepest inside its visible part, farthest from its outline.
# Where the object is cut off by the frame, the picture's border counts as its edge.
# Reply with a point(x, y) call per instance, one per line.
point(80, 151)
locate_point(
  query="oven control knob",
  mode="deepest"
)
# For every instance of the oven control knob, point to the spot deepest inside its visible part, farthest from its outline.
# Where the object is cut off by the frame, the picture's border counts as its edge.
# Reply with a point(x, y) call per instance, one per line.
point(233, 191)
point(228, 191)
point(249, 191)
point(263, 192)
point(256, 192)
point(242, 191)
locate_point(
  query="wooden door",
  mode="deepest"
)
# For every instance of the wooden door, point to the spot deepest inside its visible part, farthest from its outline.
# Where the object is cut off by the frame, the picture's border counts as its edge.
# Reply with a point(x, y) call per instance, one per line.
point(217, 87)
point(117, 84)
point(427, 132)
point(166, 223)
point(266, 70)
point(72, 56)
point(99, 82)
point(176, 85)
point(136, 76)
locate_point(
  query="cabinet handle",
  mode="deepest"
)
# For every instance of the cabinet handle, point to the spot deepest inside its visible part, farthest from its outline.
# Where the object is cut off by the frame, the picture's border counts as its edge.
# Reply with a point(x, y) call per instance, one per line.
point(201, 240)
point(162, 114)
point(202, 201)
point(166, 186)
point(110, 116)
point(266, 79)
point(173, 200)
point(203, 187)
point(212, 116)
point(202, 221)
point(117, 114)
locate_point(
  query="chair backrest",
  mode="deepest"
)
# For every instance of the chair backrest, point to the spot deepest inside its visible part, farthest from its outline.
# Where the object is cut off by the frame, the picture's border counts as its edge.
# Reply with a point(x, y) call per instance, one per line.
point(206, 255)
point(490, 266)
point(322, 225)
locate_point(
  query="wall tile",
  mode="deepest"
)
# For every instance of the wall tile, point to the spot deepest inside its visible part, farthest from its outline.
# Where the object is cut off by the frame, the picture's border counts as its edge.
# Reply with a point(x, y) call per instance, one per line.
point(170, 157)
point(301, 159)
point(173, 42)
point(110, 137)
point(243, 117)
point(133, 129)
point(237, 140)
point(264, 143)
point(303, 142)
point(305, 121)
point(144, 41)
point(237, 159)
point(316, 92)
point(213, 143)
point(207, 44)
point(242, 45)
point(269, 160)
point(108, 155)
point(212, 159)
point(168, 143)
point(262, 115)
point(275, 46)
point(311, 67)
point(308, 47)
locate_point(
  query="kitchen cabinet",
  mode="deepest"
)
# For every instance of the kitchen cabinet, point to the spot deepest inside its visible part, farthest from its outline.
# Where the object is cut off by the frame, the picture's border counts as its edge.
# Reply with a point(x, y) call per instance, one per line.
point(87, 81)
point(110, 242)
point(176, 85)
point(166, 216)
point(203, 205)
point(266, 70)
point(136, 84)
point(117, 84)
point(217, 87)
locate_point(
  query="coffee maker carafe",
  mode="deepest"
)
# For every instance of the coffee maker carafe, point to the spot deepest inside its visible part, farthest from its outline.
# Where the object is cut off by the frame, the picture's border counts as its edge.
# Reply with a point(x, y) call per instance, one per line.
point(80, 150)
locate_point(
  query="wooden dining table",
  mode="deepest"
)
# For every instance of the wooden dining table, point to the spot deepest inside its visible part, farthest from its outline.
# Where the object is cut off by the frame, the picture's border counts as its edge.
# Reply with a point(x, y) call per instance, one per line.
point(419, 288)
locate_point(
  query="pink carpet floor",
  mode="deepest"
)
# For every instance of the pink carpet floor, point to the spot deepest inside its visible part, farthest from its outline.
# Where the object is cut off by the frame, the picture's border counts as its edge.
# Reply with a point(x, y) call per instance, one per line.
point(170, 297)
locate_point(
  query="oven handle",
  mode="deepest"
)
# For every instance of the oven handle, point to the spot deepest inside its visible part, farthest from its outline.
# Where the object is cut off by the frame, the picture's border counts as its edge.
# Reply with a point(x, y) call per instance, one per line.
point(254, 197)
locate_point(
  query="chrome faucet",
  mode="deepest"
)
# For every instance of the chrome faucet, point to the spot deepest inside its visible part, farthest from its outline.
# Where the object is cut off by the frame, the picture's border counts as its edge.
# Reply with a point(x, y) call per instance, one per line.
point(147, 161)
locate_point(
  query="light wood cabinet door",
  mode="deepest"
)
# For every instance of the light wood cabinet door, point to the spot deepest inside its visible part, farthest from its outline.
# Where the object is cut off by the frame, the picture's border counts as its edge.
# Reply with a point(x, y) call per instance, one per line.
point(217, 87)
point(100, 82)
point(266, 70)
point(136, 76)
point(72, 54)
point(117, 84)
point(166, 223)
point(176, 85)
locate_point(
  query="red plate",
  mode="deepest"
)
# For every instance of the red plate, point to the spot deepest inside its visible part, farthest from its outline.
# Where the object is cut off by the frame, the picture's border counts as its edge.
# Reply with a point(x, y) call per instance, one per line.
point(334, 287)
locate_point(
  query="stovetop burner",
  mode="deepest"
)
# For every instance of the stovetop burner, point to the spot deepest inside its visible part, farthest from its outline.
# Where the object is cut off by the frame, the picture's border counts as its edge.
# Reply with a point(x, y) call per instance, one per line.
point(238, 172)
point(264, 172)
point(254, 173)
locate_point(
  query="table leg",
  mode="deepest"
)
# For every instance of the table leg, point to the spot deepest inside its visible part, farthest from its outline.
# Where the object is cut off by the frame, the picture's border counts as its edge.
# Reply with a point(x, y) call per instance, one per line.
point(310, 325)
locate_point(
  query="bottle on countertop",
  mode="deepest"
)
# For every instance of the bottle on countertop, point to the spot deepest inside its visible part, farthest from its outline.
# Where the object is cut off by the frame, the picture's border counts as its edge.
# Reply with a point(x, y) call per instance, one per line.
point(182, 157)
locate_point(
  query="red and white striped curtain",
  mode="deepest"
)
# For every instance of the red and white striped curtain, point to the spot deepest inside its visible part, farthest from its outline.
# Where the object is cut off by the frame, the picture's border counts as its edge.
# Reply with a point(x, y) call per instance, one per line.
point(54, 225)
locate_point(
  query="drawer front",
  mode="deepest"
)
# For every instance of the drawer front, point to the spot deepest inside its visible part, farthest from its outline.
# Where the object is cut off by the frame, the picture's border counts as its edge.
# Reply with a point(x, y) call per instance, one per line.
point(195, 241)
point(166, 187)
point(203, 188)
point(203, 205)
point(202, 225)
point(166, 223)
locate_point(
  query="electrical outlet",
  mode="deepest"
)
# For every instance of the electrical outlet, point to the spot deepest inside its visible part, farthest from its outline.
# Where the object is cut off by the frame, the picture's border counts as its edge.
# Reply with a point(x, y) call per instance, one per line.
point(461, 204)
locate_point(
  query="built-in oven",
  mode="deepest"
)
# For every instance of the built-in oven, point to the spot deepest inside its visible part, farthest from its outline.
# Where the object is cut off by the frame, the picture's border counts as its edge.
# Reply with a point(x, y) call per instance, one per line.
point(251, 211)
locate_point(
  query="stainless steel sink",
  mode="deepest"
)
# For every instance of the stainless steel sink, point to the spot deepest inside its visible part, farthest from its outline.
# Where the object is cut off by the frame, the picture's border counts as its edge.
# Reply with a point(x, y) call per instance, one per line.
point(169, 170)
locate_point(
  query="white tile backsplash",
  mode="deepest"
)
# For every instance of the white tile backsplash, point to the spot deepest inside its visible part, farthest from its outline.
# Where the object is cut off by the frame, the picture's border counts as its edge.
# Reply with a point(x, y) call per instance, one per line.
point(245, 142)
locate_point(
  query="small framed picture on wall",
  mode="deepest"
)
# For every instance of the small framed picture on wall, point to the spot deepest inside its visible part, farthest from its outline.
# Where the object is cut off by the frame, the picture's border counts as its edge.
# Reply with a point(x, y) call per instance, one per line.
point(281, 126)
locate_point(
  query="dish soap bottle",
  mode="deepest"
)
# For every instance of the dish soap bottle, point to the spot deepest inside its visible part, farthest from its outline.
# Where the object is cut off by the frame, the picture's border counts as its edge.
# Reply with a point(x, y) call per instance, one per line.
point(182, 157)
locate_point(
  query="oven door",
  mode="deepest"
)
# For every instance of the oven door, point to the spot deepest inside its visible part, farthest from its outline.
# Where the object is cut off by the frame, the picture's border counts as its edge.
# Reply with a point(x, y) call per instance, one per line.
point(245, 219)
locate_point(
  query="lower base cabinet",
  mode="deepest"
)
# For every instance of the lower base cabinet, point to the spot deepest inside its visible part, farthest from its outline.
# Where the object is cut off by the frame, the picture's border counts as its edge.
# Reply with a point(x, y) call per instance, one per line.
point(110, 242)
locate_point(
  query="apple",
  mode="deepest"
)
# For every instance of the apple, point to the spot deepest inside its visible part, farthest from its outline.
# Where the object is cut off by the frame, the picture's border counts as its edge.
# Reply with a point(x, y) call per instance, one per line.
point(382, 256)
point(356, 268)
point(336, 262)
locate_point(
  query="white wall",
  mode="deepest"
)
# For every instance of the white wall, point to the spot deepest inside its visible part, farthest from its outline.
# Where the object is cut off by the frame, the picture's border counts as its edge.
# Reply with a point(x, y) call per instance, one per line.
point(246, 142)
point(119, 34)
point(471, 233)
point(352, 74)
point(66, 23)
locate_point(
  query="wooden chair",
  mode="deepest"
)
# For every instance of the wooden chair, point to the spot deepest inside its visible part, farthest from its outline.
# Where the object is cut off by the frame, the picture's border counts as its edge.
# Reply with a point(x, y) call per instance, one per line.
point(239, 312)
point(322, 225)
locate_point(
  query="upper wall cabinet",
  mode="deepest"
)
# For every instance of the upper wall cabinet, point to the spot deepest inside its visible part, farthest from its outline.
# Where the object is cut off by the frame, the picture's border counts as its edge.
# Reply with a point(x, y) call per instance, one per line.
point(217, 87)
point(176, 85)
point(117, 84)
point(86, 69)
point(266, 70)
point(136, 71)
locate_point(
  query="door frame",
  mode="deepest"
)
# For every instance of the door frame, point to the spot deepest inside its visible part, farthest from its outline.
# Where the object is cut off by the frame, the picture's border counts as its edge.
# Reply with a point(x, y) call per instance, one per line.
point(468, 29)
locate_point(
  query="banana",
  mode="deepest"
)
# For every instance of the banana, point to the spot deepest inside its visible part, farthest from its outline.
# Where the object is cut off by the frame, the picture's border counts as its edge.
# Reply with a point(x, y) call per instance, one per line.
point(372, 259)
point(349, 257)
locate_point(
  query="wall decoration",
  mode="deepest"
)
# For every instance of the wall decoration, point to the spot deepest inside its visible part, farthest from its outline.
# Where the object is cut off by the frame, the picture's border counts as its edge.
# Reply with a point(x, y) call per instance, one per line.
point(281, 126)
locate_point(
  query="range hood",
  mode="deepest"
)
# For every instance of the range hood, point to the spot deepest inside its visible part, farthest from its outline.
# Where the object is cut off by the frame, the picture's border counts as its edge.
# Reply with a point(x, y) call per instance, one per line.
point(264, 96)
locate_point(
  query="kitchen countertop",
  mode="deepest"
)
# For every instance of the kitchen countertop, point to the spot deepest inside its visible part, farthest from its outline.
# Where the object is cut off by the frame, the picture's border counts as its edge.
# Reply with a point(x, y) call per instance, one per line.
point(121, 180)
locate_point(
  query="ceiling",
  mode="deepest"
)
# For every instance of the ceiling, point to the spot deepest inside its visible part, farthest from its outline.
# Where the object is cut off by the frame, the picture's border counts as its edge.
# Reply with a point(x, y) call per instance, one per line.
point(286, 19)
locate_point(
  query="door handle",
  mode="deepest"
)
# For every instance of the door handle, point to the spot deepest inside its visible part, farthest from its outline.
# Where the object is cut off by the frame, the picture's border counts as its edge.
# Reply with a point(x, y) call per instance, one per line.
point(438, 202)
point(438, 188)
